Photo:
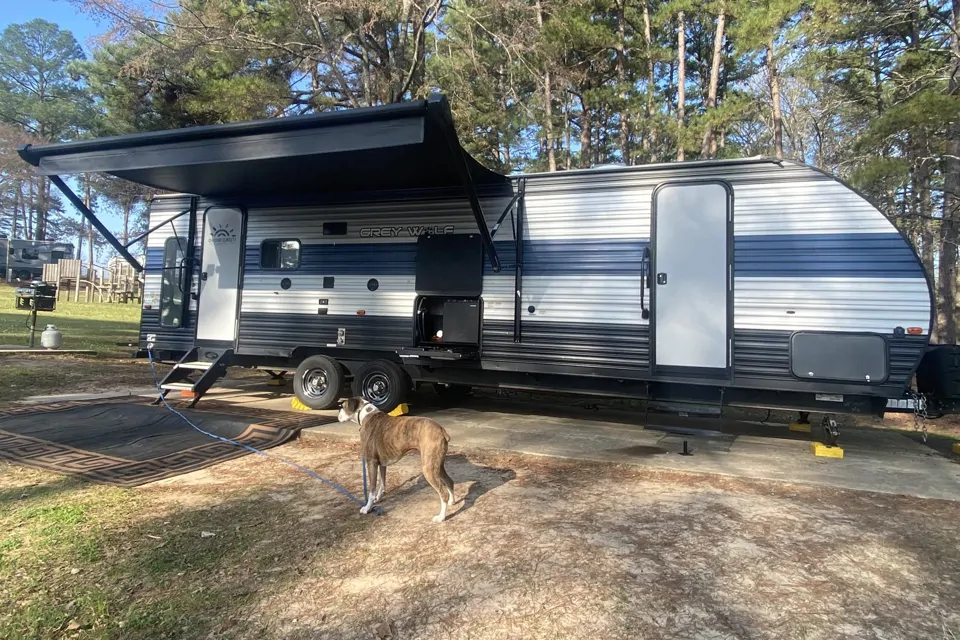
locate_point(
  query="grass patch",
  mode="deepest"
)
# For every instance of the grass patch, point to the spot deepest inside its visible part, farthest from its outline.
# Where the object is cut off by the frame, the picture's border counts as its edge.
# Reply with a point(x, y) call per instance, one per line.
point(85, 326)
point(90, 561)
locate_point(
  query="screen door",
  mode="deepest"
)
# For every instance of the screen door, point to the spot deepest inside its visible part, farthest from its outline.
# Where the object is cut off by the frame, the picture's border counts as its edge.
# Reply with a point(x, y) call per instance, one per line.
point(691, 278)
point(220, 274)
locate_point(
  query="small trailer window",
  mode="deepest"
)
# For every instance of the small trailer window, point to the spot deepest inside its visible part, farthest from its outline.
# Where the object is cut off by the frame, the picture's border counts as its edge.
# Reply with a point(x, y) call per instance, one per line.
point(334, 228)
point(280, 254)
point(171, 294)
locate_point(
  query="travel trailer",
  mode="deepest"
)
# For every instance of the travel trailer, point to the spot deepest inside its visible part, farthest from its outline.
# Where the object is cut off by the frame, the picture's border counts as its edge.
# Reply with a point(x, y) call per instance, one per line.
point(366, 247)
point(24, 259)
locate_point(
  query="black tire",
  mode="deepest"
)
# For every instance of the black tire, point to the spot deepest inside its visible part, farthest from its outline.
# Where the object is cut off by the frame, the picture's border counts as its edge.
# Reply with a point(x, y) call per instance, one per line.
point(24, 276)
point(381, 383)
point(318, 382)
point(452, 392)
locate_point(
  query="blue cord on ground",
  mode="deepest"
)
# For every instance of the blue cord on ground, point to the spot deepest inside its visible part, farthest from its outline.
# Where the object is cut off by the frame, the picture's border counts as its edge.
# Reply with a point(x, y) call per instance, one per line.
point(310, 473)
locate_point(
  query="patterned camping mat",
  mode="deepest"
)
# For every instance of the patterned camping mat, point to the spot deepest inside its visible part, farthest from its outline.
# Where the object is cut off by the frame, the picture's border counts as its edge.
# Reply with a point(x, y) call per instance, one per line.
point(127, 442)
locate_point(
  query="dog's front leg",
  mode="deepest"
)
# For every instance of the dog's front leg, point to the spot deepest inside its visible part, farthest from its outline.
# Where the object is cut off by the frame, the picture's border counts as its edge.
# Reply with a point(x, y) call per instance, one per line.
point(383, 482)
point(372, 489)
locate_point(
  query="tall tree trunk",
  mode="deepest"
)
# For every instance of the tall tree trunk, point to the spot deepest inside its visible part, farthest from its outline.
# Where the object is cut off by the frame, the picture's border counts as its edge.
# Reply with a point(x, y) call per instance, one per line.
point(622, 83)
point(28, 229)
point(681, 82)
point(567, 133)
point(17, 203)
point(547, 103)
point(585, 134)
point(127, 206)
point(709, 147)
point(650, 139)
point(775, 99)
point(951, 200)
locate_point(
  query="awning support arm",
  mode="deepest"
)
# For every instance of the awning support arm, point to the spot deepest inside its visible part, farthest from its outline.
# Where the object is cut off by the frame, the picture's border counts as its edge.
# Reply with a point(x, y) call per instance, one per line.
point(92, 218)
point(149, 231)
point(513, 201)
point(460, 159)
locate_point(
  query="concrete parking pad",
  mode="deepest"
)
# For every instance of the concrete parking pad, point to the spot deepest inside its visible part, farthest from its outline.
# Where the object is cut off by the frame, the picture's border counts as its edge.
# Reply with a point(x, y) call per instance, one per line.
point(875, 460)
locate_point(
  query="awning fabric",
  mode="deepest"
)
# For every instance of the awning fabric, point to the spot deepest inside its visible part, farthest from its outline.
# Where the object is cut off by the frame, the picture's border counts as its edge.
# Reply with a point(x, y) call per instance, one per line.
point(397, 147)
point(409, 145)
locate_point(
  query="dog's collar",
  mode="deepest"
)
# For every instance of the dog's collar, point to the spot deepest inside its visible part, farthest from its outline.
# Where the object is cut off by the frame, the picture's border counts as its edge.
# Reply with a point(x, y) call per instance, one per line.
point(367, 409)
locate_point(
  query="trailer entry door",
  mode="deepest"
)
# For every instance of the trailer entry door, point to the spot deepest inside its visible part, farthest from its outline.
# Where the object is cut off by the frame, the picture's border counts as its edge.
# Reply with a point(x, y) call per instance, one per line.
point(692, 278)
point(220, 275)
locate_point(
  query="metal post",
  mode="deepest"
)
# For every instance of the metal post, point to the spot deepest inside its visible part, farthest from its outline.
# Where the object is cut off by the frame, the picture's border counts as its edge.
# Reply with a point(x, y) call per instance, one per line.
point(518, 273)
point(33, 321)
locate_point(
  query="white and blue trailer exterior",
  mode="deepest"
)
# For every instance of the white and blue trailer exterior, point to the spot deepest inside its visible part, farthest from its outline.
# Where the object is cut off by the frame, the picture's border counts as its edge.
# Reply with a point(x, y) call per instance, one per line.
point(367, 244)
point(783, 287)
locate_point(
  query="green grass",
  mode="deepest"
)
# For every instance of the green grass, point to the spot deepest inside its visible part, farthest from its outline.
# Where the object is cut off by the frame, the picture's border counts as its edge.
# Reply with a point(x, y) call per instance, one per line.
point(98, 562)
point(97, 326)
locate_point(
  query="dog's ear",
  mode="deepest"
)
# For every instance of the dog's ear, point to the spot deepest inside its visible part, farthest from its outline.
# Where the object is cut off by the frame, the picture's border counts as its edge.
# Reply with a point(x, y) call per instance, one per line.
point(351, 405)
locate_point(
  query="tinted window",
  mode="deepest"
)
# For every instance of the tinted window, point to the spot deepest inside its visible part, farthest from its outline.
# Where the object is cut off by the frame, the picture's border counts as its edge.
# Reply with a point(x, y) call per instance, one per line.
point(280, 254)
point(171, 297)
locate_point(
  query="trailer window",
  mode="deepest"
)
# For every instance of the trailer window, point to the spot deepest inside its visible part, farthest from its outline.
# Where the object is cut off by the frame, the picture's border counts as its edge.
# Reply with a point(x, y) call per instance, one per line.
point(30, 254)
point(171, 296)
point(280, 254)
point(334, 228)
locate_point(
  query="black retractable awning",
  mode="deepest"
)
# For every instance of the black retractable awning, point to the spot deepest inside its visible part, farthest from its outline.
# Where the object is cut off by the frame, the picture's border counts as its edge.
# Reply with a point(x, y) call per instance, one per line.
point(410, 145)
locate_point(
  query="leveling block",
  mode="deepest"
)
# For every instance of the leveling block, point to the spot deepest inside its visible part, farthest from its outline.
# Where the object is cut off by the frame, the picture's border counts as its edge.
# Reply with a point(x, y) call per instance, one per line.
point(402, 408)
point(956, 448)
point(799, 427)
point(823, 451)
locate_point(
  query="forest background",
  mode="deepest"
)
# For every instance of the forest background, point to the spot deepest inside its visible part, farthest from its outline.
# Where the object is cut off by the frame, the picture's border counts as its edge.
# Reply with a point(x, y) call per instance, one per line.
point(868, 91)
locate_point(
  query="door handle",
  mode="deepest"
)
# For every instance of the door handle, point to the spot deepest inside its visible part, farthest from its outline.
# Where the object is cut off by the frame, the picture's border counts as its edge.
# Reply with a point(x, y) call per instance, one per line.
point(661, 278)
point(203, 276)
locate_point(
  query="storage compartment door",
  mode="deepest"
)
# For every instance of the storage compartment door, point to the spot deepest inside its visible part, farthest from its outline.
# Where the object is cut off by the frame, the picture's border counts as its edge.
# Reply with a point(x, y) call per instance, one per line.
point(691, 278)
point(220, 275)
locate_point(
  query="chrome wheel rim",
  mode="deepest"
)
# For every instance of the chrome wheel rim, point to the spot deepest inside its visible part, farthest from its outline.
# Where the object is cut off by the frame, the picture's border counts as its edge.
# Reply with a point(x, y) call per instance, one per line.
point(314, 383)
point(376, 388)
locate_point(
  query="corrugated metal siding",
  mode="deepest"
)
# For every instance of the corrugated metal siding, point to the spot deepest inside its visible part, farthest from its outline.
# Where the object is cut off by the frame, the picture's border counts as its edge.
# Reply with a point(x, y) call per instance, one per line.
point(766, 355)
point(601, 300)
point(854, 255)
point(263, 294)
point(395, 258)
point(831, 304)
point(279, 334)
point(306, 223)
point(585, 345)
point(809, 205)
point(167, 337)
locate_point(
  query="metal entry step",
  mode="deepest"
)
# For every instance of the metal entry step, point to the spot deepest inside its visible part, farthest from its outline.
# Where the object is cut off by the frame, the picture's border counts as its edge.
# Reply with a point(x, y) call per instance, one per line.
point(201, 366)
point(178, 386)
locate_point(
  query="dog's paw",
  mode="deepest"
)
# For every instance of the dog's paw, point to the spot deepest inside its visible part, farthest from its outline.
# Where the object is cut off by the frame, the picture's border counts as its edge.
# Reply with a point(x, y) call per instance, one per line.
point(364, 510)
point(438, 518)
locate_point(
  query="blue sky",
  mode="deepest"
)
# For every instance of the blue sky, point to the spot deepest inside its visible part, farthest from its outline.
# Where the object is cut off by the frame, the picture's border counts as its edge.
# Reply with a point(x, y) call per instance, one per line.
point(59, 12)
point(66, 16)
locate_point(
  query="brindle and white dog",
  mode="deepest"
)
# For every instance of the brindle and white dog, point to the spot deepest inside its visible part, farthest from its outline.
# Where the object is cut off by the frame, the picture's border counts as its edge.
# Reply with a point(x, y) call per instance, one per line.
point(385, 439)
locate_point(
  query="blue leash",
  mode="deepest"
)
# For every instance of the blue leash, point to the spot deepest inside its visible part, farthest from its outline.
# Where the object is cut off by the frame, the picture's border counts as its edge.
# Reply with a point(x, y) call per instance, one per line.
point(363, 462)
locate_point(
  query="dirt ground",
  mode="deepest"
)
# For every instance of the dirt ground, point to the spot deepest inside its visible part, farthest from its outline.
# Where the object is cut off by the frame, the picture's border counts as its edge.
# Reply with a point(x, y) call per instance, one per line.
point(535, 548)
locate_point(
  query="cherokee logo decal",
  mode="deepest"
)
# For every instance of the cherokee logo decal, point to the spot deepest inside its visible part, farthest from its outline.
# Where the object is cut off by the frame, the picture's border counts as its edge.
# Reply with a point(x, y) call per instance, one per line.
point(222, 234)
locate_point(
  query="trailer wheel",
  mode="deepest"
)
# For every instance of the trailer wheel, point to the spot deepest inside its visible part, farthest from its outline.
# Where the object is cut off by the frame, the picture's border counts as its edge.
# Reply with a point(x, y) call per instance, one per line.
point(452, 392)
point(318, 382)
point(382, 383)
